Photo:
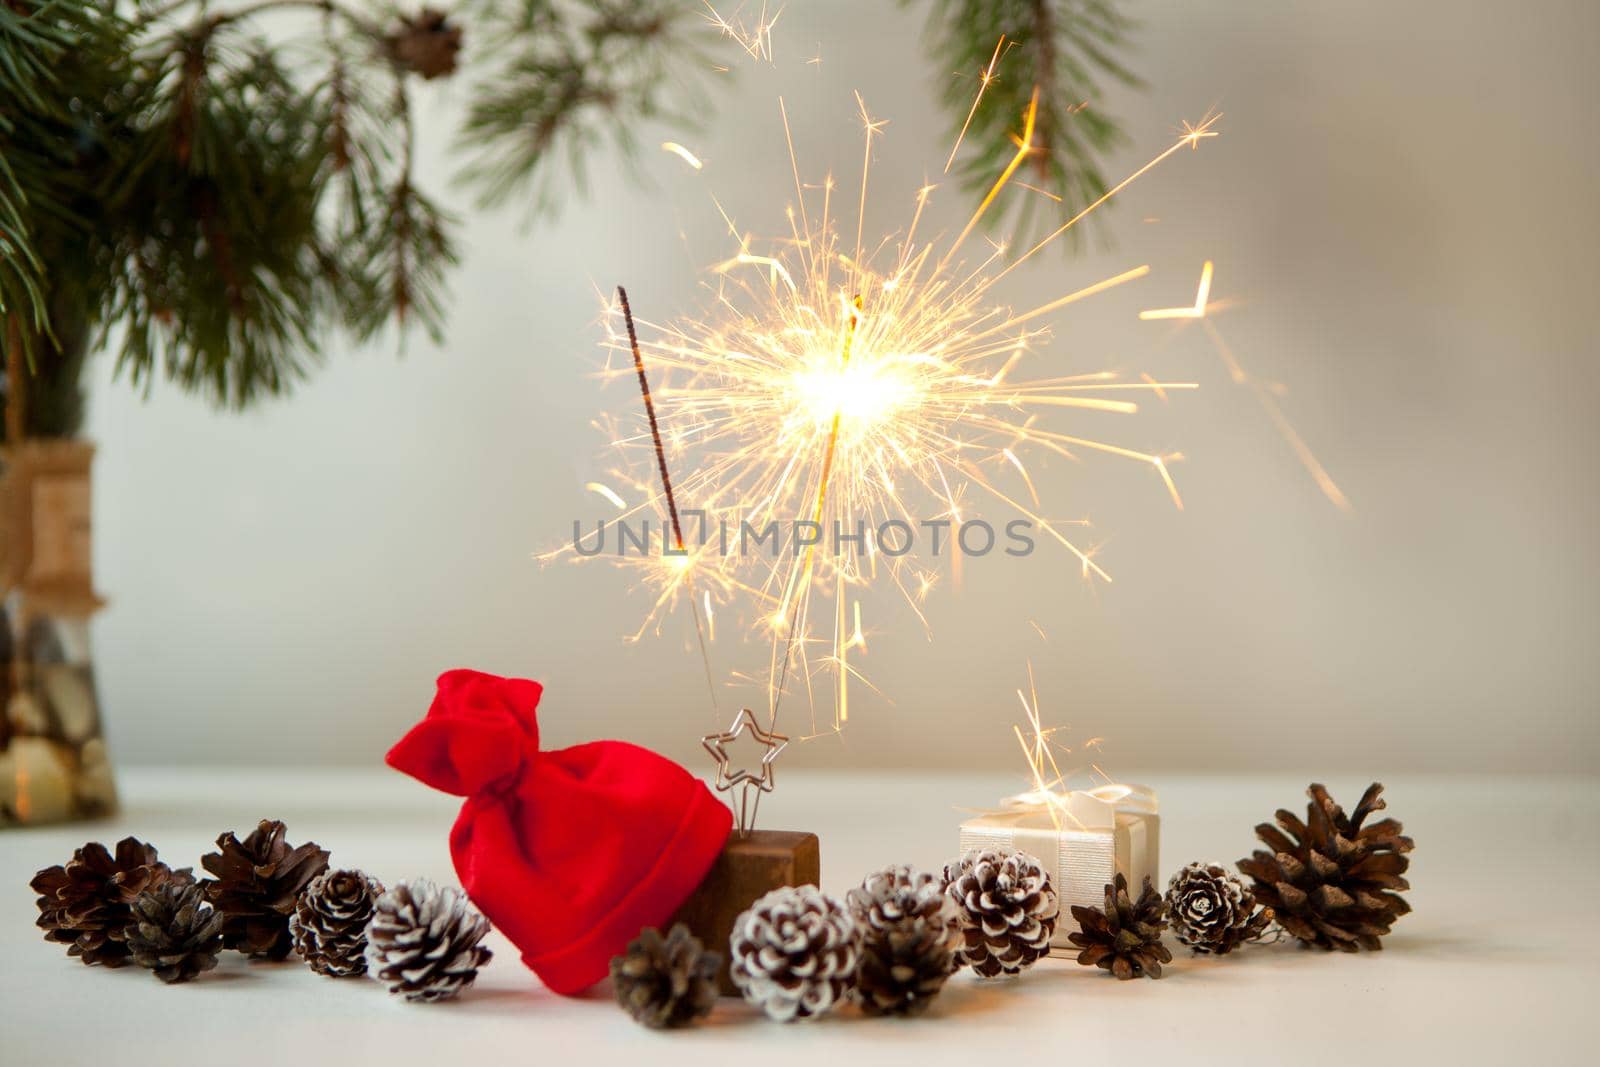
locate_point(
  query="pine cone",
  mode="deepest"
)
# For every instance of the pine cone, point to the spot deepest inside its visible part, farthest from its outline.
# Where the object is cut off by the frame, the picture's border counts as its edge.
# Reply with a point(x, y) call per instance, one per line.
point(794, 953)
point(910, 933)
point(1007, 908)
point(175, 932)
point(425, 43)
point(1125, 938)
point(1212, 910)
point(666, 982)
point(257, 882)
point(1335, 884)
point(423, 940)
point(329, 926)
point(86, 904)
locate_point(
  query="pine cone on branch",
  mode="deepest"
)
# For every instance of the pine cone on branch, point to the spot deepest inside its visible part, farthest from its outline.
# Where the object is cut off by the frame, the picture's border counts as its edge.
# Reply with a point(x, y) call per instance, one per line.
point(1332, 881)
point(426, 44)
point(794, 953)
point(87, 902)
point(910, 933)
point(666, 982)
point(1007, 908)
point(1211, 909)
point(329, 926)
point(423, 941)
point(256, 884)
point(1125, 938)
point(175, 932)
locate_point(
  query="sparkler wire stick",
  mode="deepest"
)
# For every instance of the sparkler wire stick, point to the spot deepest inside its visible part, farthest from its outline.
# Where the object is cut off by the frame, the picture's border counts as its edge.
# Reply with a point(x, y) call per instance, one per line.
point(822, 496)
point(666, 485)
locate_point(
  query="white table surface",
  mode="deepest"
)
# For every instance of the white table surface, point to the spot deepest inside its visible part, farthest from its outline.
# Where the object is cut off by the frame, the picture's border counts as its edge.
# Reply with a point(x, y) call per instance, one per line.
point(1498, 963)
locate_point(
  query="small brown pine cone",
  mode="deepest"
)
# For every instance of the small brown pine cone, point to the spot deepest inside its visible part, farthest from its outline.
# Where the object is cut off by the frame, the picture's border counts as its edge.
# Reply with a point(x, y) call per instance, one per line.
point(423, 941)
point(175, 933)
point(666, 982)
point(1211, 909)
point(1007, 907)
point(255, 885)
point(330, 919)
point(1331, 881)
point(87, 903)
point(1125, 938)
point(426, 43)
point(910, 933)
point(794, 953)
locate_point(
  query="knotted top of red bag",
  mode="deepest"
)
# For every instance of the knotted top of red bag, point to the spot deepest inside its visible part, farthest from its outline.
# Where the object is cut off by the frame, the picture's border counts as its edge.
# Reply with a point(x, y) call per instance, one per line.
point(570, 853)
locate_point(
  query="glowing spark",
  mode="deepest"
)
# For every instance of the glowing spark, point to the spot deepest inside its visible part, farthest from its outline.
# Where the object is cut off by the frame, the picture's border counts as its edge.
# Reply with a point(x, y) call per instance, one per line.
point(1190, 139)
point(1155, 387)
point(682, 153)
point(1073, 298)
point(1041, 192)
point(1264, 393)
point(1017, 463)
point(596, 487)
point(983, 83)
point(866, 162)
point(1308, 459)
point(1166, 476)
point(1201, 296)
point(1048, 781)
point(1193, 135)
point(755, 38)
point(1024, 146)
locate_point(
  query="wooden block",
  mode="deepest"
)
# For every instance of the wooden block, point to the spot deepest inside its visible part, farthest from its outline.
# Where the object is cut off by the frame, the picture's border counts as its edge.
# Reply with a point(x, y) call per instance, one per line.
point(750, 866)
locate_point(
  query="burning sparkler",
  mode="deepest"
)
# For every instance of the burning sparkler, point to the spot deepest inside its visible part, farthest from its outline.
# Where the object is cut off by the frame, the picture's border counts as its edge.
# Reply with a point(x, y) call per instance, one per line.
point(843, 384)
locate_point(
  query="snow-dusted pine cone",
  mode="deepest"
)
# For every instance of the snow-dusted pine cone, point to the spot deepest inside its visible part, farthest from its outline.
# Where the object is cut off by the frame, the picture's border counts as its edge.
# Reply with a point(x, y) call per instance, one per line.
point(910, 932)
point(663, 982)
point(794, 953)
point(423, 940)
point(1210, 909)
point(1007, 907)
point(330, 922)
point(175, 932)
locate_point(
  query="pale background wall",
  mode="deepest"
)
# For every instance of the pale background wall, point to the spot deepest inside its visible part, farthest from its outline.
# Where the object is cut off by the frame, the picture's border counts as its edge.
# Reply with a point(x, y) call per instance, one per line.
point(1404, 196)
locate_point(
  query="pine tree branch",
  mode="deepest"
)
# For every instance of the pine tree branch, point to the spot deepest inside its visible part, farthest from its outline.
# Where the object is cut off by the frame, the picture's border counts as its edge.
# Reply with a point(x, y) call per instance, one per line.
point(168, 183)
point(1069, 50)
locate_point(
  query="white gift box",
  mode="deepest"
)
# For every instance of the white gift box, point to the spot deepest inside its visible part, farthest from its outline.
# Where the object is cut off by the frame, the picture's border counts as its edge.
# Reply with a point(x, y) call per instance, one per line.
point(1083, 838)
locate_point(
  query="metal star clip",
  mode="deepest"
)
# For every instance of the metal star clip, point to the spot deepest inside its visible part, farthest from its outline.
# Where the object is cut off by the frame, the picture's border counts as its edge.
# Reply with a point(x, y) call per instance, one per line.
point(759, 781)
